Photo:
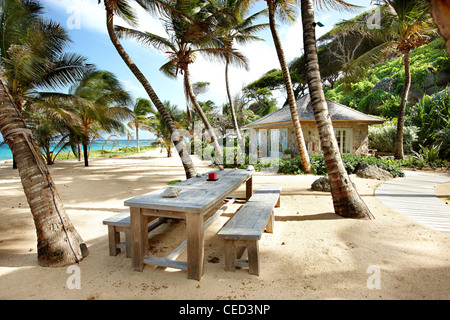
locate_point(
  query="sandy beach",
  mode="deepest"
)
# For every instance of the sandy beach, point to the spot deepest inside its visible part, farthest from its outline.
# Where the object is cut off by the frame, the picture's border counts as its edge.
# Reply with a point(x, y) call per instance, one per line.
point(312, 254)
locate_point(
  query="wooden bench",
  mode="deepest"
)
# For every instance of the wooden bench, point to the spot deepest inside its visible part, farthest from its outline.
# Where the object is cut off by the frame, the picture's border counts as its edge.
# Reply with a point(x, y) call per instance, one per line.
point(121, 223)
point(245, 228)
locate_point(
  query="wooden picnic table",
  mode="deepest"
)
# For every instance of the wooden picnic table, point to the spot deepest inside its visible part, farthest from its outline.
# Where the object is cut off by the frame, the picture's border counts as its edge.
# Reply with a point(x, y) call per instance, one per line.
point(197, 197)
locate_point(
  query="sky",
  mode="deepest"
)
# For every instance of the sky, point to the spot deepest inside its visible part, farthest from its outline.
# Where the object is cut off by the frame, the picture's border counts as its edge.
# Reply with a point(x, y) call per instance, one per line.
point(85, 20)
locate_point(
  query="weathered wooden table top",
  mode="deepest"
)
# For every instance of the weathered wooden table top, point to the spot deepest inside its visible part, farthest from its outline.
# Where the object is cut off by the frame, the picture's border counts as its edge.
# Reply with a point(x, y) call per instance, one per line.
point(196, 194)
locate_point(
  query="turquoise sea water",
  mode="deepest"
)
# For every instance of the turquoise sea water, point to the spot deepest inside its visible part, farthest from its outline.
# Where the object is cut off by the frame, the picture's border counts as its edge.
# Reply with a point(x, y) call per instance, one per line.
point(5, 152)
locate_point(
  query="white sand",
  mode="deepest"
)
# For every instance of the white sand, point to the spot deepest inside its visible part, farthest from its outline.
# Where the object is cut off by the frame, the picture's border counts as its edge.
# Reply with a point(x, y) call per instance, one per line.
point(313, 253)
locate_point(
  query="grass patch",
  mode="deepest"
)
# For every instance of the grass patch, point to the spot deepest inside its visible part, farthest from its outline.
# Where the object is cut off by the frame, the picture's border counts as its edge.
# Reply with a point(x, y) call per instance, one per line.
point(121, 152)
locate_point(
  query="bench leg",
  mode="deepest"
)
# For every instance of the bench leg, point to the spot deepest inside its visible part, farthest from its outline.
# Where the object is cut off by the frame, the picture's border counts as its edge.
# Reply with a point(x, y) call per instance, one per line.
point(114, 239)
point(278, 202)
point(270, 223)
point(128, 245)
point(253, 257)
point(249, 188)
point(230, 256)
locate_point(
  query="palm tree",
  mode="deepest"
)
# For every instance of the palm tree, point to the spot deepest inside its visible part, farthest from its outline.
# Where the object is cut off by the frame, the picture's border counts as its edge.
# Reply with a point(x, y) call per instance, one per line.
point(32, 52)
point(412, 20)
point(159, 128)
point(58, 242)
point(50, 121)
point(100, 104)
point(286, 9)
point(191, 30)
point(122, 8)
point(242, 31)
point(346, 200)
point(406, 25)
point(141, 108)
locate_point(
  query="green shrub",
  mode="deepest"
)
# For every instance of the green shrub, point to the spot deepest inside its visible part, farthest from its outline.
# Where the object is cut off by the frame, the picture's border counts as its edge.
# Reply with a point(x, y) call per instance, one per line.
point(389, 108)
point(370, 103)
point(432, 116)
point(382, 137)
point(432, 56)
point(351, 164)
point(430, 155)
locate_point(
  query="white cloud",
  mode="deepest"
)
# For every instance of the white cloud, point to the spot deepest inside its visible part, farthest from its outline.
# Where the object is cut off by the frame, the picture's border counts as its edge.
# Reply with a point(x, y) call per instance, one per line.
point(92, 16)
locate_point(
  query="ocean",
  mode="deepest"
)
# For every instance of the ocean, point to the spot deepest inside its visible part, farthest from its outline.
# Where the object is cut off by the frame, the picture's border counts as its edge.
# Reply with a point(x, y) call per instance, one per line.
point(5, 152)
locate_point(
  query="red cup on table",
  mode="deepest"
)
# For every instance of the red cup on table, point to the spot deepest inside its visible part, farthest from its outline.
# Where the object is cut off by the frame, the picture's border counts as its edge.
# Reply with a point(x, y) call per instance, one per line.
point(212, 176)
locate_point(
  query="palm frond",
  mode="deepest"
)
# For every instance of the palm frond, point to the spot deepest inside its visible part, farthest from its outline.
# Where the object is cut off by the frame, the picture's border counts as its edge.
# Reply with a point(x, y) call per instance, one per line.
point(145, 38)
point(339, 5)
point(69, 68)
point(357, 67)
point(231, 55)
point(169, 69)
point(287, 10)
point(244, 39)
point(126, 12)
point(142, 107)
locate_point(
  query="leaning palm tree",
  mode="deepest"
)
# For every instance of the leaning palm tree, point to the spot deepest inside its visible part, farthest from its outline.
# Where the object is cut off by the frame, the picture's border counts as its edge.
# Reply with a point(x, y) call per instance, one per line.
point(122, 8)
point(286, 9)
point(241, 30)
point(191, 30)
point(139, 120)
point(58, 242)
point(346, 200)
point(405, 25)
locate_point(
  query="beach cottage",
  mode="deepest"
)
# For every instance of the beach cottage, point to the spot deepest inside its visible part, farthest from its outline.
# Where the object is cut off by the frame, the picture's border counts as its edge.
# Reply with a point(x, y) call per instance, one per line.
point(275, 131)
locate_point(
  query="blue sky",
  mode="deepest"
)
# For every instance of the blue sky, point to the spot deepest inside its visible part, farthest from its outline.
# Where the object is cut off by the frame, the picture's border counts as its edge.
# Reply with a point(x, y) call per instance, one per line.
point(85, 21)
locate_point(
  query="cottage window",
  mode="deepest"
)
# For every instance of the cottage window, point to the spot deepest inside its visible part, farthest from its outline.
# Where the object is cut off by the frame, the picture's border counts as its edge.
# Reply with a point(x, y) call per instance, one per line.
point(277, 142)
point(344, 139)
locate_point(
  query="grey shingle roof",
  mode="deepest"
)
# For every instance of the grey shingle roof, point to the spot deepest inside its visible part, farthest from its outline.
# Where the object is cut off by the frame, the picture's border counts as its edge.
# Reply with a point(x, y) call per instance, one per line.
point(338, 112)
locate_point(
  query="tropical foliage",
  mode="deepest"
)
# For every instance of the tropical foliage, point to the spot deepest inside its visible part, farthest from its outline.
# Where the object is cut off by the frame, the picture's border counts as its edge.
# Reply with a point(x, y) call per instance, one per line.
point(100, 105)
point(33, 52)
point(382, 137)
point(431, 116)
point(157, 126)
point(142, 107)
point(33, 57)
point(362, 97)
point(36, 59)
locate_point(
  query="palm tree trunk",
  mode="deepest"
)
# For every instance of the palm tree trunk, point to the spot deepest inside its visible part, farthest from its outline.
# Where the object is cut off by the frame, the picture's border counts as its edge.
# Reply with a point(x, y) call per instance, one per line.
point(186, 160)
point(86, 154)
point(137, 138)
point(232, 110)
point(398, 149)
point(58, 242)
point(198, 108)
point(346, 200)
point(79, 152)
point(290, 92)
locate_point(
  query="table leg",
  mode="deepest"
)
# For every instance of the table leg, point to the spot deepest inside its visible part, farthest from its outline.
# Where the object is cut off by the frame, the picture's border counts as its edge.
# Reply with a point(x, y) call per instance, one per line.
point(195, 245)
point(138, 237)
point(249, 188)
